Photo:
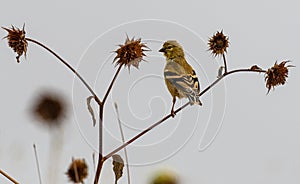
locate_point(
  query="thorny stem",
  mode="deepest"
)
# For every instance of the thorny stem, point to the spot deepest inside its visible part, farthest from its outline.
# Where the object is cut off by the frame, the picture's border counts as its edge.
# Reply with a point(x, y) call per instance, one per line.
point(8, 177)
point(101, 108)
point(225, 63)
point(68, 66)
point(177, 110)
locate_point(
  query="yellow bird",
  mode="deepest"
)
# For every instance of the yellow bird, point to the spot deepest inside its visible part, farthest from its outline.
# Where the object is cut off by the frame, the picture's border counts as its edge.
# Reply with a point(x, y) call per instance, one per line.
point(180, 77)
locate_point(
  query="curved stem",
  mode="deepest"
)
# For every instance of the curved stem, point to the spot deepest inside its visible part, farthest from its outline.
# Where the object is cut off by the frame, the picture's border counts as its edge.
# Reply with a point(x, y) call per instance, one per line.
point(226, 74)
point(177, 110)
point(68, 66)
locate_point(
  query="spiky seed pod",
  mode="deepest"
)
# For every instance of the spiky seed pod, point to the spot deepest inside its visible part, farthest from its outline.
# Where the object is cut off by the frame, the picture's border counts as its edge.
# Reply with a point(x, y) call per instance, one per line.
point(17, 41)
point(277, 75)
point(218, 43)
point(131, 53)
point(77, 171)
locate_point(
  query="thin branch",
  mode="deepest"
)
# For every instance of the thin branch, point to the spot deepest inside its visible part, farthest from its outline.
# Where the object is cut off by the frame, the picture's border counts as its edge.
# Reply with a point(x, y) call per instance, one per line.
point(101, 108)
point(225, 63)
point(144, 132)
point(68, 66)
point(100, 155)
point(37, 163)
point(111, 84)
point(177, 110)
point(123, 141)
point(8, 177)
point(94, 162)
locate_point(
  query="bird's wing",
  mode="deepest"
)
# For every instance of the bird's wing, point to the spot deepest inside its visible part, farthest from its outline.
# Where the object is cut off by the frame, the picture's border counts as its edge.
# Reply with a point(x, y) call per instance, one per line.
point(186, 83)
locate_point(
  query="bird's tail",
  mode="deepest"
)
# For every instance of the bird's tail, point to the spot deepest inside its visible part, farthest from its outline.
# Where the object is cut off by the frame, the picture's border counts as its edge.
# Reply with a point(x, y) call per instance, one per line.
point(194, 100)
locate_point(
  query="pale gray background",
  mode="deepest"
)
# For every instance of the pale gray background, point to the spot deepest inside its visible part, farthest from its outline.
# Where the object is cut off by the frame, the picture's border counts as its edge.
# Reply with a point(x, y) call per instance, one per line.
point(259, 138)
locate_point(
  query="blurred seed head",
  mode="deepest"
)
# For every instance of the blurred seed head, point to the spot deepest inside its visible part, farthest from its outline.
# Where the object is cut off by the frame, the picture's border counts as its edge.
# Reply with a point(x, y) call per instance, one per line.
point(218, 43)
point(17, 41)
point(131, 53)
point(165, 177)
point(277, 75)
point(50, 109)
point(77, 171)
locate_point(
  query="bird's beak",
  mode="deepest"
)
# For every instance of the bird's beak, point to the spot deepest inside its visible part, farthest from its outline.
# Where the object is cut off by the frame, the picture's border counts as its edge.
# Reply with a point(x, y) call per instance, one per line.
point(162, 50)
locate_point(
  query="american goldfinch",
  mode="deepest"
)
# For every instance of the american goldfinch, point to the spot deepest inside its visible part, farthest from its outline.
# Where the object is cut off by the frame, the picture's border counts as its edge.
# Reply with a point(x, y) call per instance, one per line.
point(180, 77)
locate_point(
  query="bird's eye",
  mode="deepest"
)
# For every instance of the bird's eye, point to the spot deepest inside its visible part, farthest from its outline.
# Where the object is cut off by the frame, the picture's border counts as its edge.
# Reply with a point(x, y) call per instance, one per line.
point(169, 47)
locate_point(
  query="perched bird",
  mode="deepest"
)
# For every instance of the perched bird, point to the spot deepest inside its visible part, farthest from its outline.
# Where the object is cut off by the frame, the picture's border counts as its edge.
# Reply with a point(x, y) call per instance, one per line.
point(180, 77)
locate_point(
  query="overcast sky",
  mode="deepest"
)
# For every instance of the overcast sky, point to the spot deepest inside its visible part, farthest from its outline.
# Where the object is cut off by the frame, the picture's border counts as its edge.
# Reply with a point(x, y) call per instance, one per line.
point(239, 135)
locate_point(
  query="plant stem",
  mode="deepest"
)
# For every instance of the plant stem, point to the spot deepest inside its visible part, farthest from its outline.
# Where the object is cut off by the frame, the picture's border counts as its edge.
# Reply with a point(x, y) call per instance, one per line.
point(225, 63)
point(37, 164)
point(8, 177)
point(100, 154)
point(177, 110)
point(112, 83)
point(99, 168)
point(101, 109)
point(68, 66)
point(144, 132)
point(123, 141)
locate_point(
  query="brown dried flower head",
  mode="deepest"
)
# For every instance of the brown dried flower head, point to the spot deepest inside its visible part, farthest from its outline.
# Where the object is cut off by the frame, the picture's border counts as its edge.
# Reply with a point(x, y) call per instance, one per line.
point(50, 108)
point(218, 43)
point(17, 41)
point(277, 75)
point(131, 53)
point(77, 171)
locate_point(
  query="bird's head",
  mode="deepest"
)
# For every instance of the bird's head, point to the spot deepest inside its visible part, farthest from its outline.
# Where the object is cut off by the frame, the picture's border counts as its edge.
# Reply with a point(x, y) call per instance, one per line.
point(172, 49)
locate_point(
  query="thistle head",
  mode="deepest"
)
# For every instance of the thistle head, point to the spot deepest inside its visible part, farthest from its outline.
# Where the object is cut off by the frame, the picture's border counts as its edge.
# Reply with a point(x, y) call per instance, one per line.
point(218, 43)
point(77, 171)
point(17, 41)
point(131, 53)
point(277, 75)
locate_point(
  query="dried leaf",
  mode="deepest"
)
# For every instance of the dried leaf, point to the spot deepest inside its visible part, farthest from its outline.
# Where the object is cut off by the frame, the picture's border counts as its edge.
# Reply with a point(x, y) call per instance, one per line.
point(88, 101)
point(255, 67)
point(220, 71)
point(118, 164)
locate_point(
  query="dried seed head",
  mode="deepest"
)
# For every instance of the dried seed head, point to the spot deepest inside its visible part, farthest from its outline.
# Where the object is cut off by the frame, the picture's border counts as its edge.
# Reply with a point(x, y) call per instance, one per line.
point(78, 171)
point(16, 40)
point(218, 43)
point(131, 53)
point(277, 75)
point(50, 109)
